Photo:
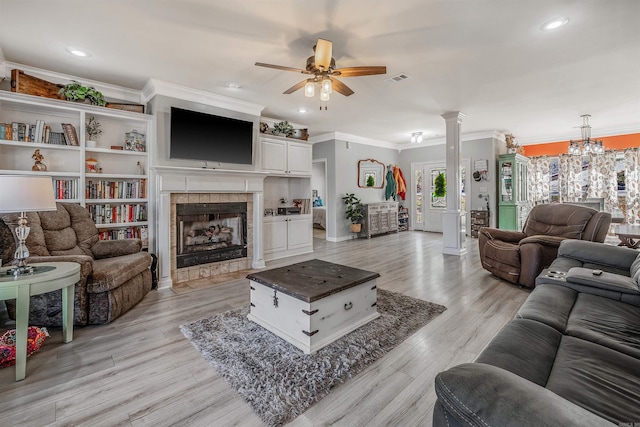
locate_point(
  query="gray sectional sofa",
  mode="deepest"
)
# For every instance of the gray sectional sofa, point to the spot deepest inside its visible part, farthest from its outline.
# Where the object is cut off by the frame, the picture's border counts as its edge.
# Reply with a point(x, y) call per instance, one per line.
point(571, 357)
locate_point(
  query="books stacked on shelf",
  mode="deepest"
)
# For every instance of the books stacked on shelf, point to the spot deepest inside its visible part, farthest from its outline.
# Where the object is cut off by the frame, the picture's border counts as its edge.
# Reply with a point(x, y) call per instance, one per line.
point(65, 188)
point(107, 189)
point(117, 214)
point(39, 133)
point(141, 233)
point(303, 204)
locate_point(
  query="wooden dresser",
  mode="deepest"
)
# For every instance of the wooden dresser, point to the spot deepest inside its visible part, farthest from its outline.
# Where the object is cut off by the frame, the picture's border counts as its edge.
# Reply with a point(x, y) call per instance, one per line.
point(380, 218)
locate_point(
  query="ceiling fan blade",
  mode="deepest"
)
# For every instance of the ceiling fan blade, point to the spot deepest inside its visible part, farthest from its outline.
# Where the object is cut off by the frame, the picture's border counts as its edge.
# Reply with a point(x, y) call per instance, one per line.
point(323, 53)
point(360, 71)
point(280, 67)
point(341, 88)
point(295, 87)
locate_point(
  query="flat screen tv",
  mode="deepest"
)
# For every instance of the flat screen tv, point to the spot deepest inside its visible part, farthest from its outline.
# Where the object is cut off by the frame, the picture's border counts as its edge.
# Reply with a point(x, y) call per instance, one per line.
point(206, 137)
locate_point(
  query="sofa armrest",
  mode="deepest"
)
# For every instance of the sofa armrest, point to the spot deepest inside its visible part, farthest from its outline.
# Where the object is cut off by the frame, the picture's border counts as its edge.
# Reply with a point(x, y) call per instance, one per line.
point(603, 280)
point(80, 259)
point(541, 239)
point(477, 394)
point(114, 248)
point(504, 235)
point(598, 253)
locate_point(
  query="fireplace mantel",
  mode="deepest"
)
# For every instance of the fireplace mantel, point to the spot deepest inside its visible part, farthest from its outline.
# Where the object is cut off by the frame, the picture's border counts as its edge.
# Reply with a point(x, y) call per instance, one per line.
point(169, 180)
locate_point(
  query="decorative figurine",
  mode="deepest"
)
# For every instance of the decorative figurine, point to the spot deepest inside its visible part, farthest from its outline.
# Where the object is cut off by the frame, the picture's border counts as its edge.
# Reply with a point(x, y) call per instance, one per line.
point(39, 166)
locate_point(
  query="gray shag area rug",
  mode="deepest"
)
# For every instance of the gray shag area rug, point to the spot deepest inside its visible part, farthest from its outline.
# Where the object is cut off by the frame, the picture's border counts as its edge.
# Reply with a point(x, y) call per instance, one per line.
point(277, 379)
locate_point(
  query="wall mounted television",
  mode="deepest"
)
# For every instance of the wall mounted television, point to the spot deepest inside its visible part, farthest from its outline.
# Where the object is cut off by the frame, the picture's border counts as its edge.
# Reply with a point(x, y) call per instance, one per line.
point(209, 138)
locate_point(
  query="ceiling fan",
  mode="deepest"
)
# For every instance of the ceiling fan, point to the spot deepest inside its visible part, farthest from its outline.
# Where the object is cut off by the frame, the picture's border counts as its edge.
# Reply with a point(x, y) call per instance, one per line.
point(322, 66)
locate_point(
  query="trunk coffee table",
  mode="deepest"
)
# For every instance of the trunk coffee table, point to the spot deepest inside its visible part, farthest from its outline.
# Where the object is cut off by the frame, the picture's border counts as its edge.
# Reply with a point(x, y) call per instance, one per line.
point(313, 303)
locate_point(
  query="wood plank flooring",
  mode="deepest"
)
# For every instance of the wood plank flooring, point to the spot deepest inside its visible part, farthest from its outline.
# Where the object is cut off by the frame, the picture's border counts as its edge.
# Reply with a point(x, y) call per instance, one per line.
point(141, 371)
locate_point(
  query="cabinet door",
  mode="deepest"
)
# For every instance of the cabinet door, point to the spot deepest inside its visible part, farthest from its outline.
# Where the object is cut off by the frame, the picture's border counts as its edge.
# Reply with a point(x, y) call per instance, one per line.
point(299, 158)
point(300, 232)
point(275, 235)
point(274, 156)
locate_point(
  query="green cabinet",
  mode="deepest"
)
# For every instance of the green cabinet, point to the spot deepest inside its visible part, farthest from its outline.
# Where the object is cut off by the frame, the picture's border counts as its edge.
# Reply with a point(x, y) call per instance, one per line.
point(513, 204)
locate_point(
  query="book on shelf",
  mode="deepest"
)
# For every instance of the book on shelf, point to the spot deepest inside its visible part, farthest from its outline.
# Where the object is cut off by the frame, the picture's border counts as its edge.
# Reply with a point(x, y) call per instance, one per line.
point(70, 134)
point(14, 131)
point(8, 132)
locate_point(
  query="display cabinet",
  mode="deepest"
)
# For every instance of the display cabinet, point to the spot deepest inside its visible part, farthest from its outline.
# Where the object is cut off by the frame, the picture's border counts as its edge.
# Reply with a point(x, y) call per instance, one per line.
point(105, 177)
point(513, 204)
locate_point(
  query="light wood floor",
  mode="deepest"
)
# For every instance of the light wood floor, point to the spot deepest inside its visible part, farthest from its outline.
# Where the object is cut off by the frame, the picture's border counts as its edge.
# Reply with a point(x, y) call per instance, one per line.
point(141, 371)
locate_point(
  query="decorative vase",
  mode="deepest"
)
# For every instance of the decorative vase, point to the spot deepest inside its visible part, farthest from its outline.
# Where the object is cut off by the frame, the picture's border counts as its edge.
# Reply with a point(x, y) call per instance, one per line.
point(92, 144)
point(356, 228)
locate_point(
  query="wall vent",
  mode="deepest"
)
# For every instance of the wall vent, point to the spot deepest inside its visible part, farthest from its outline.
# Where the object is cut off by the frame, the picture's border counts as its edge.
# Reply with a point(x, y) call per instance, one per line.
point(397, 78)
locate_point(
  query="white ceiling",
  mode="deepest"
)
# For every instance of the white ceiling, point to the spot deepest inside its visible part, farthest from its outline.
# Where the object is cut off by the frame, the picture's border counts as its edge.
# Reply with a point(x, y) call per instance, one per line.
point(486, 58)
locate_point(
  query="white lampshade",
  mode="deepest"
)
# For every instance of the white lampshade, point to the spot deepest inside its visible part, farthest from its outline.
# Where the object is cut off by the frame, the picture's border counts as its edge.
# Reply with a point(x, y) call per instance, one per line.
point(324, 96)
point(26, 193)
point(309, 89)
point(326, 85)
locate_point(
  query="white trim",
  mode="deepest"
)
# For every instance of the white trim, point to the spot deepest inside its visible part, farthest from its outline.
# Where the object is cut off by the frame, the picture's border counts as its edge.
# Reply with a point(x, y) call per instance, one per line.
point(155, 87)
point(441, 140)
point(353, 138)
point(622, 130)
point(108, 90)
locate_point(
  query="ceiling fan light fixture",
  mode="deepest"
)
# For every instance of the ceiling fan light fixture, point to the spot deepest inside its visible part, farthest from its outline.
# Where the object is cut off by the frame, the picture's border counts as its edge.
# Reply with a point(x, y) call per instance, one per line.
point(326, 85)
point(416, 137)
point(309, 89)
point(324, 96)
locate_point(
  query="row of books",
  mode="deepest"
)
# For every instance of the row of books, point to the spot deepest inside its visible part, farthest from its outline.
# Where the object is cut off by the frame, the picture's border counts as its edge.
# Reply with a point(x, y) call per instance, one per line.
point(106, 189)
point(116, 214)
point(65, 188)
point(141, 233)
point(39, 133)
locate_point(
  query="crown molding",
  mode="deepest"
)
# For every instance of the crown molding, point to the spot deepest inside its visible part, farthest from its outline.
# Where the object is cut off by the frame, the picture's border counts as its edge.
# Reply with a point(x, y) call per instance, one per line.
point(569, 135)
point(441, 140)
point(155, 87)
point(353, 138)
point(108, 90)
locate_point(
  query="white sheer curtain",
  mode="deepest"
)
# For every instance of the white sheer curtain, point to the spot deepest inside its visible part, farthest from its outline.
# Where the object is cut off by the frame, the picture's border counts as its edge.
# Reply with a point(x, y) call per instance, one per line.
point(632, 174)
point(539, 180)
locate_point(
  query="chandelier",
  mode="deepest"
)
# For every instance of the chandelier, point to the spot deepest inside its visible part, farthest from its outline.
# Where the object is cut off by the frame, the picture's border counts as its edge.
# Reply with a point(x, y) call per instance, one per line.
point(586, 145)
point(416, 137)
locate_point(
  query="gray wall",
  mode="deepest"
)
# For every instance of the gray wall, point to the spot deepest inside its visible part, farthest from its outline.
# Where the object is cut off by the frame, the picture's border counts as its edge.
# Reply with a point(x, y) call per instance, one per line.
point(160, 107)
point(342, 178)
point(473, 150)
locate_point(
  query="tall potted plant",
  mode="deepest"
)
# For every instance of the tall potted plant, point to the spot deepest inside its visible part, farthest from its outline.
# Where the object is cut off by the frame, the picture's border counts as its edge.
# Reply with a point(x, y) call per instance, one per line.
point(354, 211)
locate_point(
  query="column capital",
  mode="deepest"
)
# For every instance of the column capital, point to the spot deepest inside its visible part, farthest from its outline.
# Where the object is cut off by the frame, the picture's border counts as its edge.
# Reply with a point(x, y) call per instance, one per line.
point(453, 115)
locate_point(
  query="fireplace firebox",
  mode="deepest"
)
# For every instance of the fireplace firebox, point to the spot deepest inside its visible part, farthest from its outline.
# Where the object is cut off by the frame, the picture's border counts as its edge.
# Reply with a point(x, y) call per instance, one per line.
point(210, 232)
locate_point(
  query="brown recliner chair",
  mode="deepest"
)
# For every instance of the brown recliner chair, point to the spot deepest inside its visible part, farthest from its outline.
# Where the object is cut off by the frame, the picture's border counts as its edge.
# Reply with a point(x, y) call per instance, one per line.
point(519, 257)
point(115, 274)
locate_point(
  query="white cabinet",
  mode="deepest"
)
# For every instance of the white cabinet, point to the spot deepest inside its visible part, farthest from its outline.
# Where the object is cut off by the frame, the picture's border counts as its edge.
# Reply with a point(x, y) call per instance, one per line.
point(287, 235)
point(282, 156)
point(116, 198)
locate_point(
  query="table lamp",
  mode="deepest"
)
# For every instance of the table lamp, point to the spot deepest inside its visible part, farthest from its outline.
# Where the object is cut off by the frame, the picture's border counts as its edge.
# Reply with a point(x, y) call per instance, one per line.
point(25, 193)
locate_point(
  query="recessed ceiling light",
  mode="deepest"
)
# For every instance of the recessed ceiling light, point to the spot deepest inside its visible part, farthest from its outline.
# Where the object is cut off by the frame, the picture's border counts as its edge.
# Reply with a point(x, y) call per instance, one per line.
point(302, 110)
point(78, 52)
point(232, 85)
point(554, 24)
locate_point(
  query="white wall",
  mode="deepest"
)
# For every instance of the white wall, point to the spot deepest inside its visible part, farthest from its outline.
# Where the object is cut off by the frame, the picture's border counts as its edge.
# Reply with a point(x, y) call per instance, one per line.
point(319, 179)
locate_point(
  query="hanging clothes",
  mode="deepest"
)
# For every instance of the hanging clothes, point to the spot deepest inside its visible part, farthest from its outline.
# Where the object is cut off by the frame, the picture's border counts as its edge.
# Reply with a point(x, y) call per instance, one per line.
point(390, 190)
point(401, 184)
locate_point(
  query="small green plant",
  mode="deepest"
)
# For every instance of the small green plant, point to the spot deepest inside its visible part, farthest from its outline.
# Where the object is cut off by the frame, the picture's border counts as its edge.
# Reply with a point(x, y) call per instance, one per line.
point(94, 128)
point(75, 91)
point(440, 185)
point(370, 181)
point(354, 210)
point(283, 128)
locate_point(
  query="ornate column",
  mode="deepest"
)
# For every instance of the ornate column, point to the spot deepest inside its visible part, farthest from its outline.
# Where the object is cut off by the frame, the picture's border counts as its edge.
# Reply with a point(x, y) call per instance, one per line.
point(453, 221)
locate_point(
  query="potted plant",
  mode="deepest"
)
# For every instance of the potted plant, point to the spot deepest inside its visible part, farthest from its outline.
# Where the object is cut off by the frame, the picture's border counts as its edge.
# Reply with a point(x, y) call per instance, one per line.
point(354, 211)
point(94, 130)
point(283, 128)
point(75, 91)
point(440, 186)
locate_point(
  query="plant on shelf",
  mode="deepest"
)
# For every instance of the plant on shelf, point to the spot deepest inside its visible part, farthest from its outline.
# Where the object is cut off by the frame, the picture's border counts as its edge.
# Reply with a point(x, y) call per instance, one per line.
point(75, 91)
point(354, 211)
point(93, 128)
point(283, 128)
point(440, 186)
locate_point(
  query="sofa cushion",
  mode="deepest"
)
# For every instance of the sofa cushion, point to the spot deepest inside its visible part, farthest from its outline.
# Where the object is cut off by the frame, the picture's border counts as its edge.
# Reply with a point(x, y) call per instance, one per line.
point(604, 280)
point(634, 271)
point(68, 230)
point(549, 304)
point(597, 378)
point(562, 220)
point(606, 322)
point(110, 273)
point(525, 347)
